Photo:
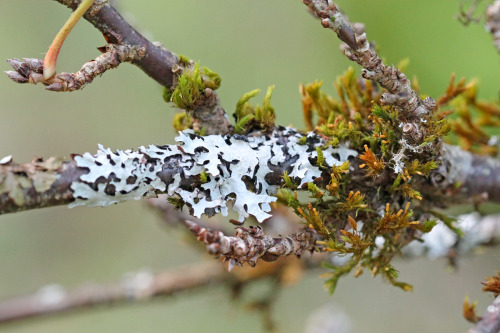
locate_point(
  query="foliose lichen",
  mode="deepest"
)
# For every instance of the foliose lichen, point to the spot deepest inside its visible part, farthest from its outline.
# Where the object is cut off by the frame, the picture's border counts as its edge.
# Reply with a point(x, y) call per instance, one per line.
point(228, 164)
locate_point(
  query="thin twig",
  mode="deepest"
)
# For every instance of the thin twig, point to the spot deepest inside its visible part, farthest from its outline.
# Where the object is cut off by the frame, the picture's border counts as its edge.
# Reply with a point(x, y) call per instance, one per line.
point(413, 112)
point(493, 22)
point(134, 287)
point(127, 44)
point(251, 244)
point(490, 321)
point(143, 286)
point(31, 70)
point(158, 64)
point(442, 242)
point(467, 17)
point(169, 214)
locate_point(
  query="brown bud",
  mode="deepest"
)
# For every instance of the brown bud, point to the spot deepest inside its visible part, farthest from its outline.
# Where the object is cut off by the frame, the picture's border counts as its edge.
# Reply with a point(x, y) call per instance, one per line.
point(36, 65)
point(16, 77)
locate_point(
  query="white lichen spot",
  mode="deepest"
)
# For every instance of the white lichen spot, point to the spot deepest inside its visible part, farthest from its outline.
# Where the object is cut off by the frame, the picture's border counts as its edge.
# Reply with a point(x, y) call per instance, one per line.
point(51, 295)
point(6, 160)
point(138, 285)
point(397, 160)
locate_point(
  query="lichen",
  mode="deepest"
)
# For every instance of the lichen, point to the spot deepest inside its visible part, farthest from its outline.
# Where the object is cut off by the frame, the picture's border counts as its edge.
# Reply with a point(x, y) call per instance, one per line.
point(228, 164)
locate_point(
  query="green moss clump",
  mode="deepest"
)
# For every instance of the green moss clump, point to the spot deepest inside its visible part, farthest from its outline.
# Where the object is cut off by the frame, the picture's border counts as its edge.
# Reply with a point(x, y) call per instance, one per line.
point(191, 85)
point(249, 117)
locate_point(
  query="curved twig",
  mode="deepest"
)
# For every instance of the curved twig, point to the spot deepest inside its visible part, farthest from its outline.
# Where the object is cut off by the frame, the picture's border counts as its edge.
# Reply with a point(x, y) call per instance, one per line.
point(159, 62)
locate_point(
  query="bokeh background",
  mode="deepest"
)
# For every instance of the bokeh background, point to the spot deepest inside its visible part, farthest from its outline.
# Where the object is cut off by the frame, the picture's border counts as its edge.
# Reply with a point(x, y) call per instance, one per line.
point(251, 44)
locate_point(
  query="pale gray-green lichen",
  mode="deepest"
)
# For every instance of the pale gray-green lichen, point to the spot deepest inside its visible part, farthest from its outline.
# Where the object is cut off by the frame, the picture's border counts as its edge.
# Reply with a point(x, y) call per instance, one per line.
point(229, 162)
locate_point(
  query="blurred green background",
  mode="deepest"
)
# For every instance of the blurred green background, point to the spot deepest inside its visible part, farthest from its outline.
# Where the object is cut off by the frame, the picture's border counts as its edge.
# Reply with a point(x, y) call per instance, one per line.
point(251, 44)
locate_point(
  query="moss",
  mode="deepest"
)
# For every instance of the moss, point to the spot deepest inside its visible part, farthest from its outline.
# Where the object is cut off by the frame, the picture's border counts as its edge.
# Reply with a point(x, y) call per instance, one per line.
point(189, 88)
point(203, 177)
point(320, 160)
point(338, 201)
point(184, 60)
point(191, 85)
point(249, 117)
point(211, 79)
point(289, 182)
point(182, 121)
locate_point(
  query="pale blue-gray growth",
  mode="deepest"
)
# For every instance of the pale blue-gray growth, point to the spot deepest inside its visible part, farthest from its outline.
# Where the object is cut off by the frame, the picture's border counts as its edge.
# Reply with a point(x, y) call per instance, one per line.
point(229, 164)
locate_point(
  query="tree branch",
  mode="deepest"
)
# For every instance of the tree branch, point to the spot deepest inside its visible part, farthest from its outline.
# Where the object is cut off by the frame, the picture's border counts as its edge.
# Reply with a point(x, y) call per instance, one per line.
point(490, 321)
point(127, 44)
point(144, 286)
point(467, 17)
point(159, 63)
point(134, 287)
point(441, 241)
point(464, 177)
point(244, 170)
point(36, 184)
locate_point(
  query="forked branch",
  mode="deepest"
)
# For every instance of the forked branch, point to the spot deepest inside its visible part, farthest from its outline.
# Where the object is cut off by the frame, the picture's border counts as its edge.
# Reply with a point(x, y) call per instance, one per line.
point(125, 44)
